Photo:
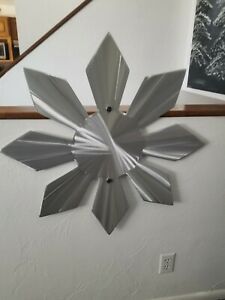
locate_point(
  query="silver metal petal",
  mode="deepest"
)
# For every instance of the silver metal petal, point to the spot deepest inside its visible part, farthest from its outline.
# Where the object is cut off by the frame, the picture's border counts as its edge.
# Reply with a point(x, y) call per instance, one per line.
point(40, 151)
point(54, 98)
point(157, 95)
point(152, 183)
point(172, 143)
point(107, 74)
point(110, 203)
point(65, 193)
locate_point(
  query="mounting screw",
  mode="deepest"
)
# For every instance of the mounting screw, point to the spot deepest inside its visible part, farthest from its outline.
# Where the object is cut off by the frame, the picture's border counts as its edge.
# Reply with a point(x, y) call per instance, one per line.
point(109, 108)
point(109, 180)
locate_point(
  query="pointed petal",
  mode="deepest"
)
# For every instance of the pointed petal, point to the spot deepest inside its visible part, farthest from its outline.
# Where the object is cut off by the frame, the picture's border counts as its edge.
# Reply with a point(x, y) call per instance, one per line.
point(110, 203)
point(40, 151)
point(152, 183)
point(65, 193)
point(172, 143)
point(54, 98)
point(157, 95)
point(107, 74)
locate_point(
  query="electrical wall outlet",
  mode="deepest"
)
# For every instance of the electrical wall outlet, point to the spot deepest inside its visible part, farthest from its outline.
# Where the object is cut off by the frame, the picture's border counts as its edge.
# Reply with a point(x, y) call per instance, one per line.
point(166, 263)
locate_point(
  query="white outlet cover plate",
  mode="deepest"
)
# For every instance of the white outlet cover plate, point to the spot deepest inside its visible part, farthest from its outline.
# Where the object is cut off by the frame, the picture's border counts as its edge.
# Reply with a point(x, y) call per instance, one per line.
point(166, 263)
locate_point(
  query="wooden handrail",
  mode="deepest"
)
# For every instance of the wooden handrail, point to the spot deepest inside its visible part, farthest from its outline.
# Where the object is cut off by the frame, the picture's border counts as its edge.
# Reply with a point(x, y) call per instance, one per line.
point(46, 36)
point(201, 110)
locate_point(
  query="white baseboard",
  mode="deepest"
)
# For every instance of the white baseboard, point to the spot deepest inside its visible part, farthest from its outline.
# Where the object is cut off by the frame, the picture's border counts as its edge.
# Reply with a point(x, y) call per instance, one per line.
point(206, 295)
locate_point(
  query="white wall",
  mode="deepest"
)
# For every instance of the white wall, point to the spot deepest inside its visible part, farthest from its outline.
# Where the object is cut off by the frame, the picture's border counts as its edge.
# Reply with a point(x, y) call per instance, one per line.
point(7, 10)
point(153, 35)
point(69, 256)
point(36, 18)
point(52, 11)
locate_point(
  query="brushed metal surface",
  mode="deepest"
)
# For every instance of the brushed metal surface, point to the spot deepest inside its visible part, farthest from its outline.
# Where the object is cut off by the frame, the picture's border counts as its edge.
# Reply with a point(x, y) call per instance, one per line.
point(108, 146)
point(153, 184)
point(110, 203)
point(156, 96)
point(65, 193)
point(103, 155)
point(54, 98)
point(172, 143)
point(107, 74)
point(40, 151)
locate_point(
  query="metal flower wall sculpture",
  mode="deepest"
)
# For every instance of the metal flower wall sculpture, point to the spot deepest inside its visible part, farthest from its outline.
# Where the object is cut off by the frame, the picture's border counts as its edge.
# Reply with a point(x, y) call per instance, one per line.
point(108, 146)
